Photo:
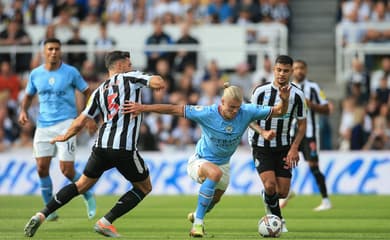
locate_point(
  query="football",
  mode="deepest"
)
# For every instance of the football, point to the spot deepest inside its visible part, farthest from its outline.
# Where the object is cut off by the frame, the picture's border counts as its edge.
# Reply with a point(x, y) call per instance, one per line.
point(270, 226)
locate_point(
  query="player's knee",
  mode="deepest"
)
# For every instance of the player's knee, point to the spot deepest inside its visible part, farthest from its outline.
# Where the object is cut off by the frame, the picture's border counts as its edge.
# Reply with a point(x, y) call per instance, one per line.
point(215, 174)
point(270, 187)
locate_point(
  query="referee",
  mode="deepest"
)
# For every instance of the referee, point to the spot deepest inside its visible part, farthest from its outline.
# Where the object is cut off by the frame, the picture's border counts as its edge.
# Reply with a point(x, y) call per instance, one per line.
point(116, 145)
point(273, 152)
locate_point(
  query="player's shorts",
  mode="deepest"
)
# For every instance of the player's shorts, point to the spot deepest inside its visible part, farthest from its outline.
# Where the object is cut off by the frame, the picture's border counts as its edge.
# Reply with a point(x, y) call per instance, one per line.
point(64, 151)
point(269, 159)
point(129, 163)
point(194, 164)
point(308, 147)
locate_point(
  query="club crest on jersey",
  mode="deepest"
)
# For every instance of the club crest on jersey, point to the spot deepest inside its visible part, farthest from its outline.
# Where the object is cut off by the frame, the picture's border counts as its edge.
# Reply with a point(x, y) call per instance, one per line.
point(52, 81)
point(229, 129)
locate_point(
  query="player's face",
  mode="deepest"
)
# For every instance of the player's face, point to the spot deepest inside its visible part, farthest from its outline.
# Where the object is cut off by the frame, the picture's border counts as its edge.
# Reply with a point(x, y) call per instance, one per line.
point(282, 73)
point(52, 52)
point(299, 71)
point(126, 65)
point(230, 108)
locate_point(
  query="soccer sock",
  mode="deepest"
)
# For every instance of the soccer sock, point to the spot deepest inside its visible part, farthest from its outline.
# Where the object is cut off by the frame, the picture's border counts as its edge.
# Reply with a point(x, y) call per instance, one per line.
point(60, 199)
point(320, 179)
point(210, 207)
point(88, 193)
point(46, 189)
point(127, 202)
point(273, 203)
point(206, 194)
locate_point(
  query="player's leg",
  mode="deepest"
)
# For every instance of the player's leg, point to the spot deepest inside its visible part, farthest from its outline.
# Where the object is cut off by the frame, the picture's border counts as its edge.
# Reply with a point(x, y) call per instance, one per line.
point(66, 154)
point(283, 189)
point(312, 158)
point(66, 194)
point(131, 165)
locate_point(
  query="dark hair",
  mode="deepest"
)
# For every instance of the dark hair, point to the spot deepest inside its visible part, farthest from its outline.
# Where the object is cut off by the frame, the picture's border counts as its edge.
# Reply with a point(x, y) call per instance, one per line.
point(284, 59)
point(114, 56)
point(52, 40)
point(301, 62)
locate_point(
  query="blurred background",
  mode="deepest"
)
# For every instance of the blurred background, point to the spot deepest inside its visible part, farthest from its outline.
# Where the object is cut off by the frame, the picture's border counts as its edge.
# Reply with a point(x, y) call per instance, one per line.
point(197, 45)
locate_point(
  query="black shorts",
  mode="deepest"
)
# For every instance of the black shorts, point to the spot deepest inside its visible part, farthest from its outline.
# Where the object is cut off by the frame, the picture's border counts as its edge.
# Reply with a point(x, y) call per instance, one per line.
point(269, 159)
point(308, 147)
point(129, 163)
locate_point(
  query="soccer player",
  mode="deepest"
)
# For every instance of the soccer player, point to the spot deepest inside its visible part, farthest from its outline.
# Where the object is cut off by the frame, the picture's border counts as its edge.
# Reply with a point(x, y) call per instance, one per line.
point(273, 151)
point(222, 128)
point(55, 83)
point(317, 104)
point(116, 144)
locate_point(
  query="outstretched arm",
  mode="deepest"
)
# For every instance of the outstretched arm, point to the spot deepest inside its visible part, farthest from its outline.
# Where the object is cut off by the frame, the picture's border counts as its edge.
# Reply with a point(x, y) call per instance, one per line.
point(281, 108)
point(74, 128)
point(136, 108)
point(156, 83)
point(266, 134)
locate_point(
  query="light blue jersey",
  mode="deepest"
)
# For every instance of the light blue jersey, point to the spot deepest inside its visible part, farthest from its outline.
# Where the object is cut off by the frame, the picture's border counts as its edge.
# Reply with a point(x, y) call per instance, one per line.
point(221, 137)
point(56, 93)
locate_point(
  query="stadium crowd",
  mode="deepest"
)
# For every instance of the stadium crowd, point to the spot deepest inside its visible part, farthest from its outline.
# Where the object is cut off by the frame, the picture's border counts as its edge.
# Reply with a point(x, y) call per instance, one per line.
point(365, 118)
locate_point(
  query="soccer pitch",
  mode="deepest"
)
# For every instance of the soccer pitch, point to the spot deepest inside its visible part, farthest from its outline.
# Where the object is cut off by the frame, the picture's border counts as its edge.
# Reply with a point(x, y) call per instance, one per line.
point(164, 217)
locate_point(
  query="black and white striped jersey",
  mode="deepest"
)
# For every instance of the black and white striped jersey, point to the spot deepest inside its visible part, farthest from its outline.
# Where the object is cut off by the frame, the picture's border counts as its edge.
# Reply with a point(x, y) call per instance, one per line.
point(268, 95)
point(118, 131)
point(314, 93)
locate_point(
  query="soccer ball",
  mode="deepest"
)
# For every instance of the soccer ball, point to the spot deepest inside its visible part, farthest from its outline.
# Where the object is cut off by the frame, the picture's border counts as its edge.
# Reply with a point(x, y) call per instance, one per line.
point(270, 226)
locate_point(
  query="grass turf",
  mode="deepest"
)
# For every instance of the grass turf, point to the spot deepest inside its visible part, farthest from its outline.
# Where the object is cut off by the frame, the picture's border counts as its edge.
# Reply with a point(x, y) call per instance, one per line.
point(236, 217)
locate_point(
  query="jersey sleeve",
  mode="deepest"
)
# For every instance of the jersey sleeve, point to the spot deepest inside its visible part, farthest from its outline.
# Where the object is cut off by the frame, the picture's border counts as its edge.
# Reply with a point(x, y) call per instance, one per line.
point(259, 112)
point(78, 80)
point(321, 97)
point(196, 112)
point(139, 79)
point(92, 108)
point(30, 87)
point(301, 107)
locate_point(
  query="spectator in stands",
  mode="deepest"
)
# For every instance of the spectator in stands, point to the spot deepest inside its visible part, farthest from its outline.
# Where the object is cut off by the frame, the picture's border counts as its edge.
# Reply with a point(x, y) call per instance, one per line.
point(43, 13)
point(184, 91)
point(163, 8)
point(196, 11)
point(378, 139)
point(263, 74)
point(380, 12)
point(120, 11)
point(103, 43)
point(90, 75)
point(157, 37)
point(15, 35)
point(359, 134)
point(242, 78)
point(65, 20)
point(378, 75)
point(382, 93)
point(183, 134)
point(75, 9)
point(147, 141)
point(76, 58)
point(346, 123)
point(183, 56)
point(356, 9)
point(210, 93)
point(218, 11)
point(358, 82)
point(165, 71)
point(275, 11)
point(3, 17)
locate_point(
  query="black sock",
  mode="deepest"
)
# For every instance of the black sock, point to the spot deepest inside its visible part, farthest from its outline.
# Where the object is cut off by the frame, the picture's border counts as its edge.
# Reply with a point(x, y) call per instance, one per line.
point(60, 199)
point(320, 179)
point(273, 204)
point(127, 202)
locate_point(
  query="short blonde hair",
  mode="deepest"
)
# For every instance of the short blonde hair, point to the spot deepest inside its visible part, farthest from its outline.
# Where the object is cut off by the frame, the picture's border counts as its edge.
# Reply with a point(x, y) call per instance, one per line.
point(232, 92)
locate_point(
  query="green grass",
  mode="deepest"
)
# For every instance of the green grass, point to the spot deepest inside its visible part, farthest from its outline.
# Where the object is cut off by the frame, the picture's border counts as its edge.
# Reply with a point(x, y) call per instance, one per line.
point(236, 217)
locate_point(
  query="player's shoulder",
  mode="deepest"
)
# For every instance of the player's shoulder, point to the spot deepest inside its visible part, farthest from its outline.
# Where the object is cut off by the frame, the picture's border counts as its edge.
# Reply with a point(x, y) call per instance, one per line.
point(262, 87)
point(68, 68)
point(313, 84)
point(37, 70)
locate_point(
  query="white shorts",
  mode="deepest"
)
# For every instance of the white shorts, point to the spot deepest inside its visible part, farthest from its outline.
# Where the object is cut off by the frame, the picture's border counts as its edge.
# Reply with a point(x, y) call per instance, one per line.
point(194, 164)
point(64, 151)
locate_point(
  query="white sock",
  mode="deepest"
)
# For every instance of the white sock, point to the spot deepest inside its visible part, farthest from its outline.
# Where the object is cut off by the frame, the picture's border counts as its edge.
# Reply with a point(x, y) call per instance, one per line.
point(198, 221)
point(105, 221)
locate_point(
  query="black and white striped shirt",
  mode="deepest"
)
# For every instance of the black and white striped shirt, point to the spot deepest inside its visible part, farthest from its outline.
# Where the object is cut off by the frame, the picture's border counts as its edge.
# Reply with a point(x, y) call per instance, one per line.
point(314, 93)
point(119, 131)
point(268, 95)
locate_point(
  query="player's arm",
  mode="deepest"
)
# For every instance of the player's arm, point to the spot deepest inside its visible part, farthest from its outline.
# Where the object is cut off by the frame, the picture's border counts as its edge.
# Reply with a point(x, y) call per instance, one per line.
point(26, 103)
point(319, 108)
point(137, 108)
point(266, 134)
point(74, 128)
point(281, 108)
point(292, 157)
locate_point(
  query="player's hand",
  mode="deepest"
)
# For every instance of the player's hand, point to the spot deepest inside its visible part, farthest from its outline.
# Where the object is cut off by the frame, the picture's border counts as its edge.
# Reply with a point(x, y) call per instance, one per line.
point(268, 134)
point(59, 138)
point(132, 108)
point(292, 158)
point(309, 103)
point(284, 92)
point(23, 118)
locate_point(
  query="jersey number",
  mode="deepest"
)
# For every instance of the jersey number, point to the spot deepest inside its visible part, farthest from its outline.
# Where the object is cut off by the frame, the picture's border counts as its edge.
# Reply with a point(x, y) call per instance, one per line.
point(113, 107)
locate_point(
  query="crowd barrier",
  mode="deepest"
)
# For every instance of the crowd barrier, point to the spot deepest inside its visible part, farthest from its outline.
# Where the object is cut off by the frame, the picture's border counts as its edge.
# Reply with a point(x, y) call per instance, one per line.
point(346, 173)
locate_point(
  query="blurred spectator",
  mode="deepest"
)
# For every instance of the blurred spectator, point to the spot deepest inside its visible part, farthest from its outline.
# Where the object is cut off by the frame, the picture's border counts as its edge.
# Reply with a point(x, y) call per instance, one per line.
point(183, 134)
point(380, 12)
point(359, 134)
point(378, 75)
point(264, 74)
point(147, 141)
point(210, 93)
point(184, 57)
point(65, 20)
point(157, 37)
point(75, 9)
point(382, 93)
point(165, 71)
point(49, 33)
point(168, 8)
point(242, 78)
point(18, 11)
point(140, 17)
point(196, 11)
point(213, 72)
point(358, 82)
point(185, 92)
point(346, 123)
point(3, 17)
point(15, 35)
point(103, 44)
point(275, 11)
point(90, 75)
point(378, 139)
point(120, 11)
point(356, 9)
point(76, 58)
point(218, 11)
point(43, 13)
